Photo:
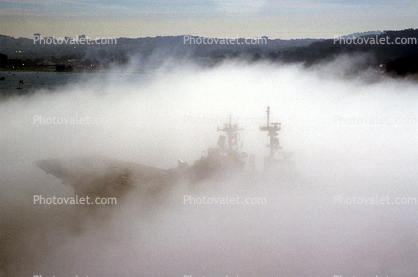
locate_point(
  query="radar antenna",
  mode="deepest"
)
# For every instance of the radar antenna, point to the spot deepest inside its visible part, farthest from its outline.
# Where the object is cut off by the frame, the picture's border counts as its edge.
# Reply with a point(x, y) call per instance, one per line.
point(272, 129)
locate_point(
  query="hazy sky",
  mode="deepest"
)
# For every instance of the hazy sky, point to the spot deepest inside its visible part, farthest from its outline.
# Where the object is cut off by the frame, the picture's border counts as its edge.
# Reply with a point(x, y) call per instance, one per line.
point(221, 18)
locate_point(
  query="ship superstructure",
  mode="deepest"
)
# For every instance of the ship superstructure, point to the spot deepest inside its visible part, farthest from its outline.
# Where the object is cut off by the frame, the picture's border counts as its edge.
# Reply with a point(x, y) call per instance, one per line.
point(227, 155)
point(272, 130)
point(223, 158)
point(100, 176)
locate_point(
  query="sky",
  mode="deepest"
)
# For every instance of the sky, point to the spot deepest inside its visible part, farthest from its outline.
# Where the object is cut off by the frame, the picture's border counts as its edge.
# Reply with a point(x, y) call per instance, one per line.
point(285, 19)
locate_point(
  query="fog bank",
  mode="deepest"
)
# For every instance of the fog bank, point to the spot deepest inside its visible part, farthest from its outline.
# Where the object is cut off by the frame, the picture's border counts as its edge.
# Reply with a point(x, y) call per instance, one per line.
point(349, 139)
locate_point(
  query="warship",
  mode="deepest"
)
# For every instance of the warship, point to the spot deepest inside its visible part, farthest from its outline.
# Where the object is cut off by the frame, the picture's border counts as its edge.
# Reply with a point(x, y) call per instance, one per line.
point(98, 176)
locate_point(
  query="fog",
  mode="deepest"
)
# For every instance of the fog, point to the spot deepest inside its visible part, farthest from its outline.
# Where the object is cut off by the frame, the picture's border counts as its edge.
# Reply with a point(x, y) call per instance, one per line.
point(348, 137)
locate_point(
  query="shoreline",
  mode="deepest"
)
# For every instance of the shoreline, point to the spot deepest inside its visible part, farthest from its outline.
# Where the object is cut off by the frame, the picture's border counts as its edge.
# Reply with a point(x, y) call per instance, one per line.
point(75, 72)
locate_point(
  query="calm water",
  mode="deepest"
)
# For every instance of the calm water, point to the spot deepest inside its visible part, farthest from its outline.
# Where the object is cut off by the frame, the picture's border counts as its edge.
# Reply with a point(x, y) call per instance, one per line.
point(53, 81)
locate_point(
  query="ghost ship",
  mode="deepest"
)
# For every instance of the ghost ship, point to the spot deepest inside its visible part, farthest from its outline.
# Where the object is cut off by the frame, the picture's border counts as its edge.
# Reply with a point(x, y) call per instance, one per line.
point(98, 176)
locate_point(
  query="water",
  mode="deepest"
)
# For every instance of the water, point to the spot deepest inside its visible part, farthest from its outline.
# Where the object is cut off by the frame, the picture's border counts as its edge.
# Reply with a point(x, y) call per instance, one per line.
point(53, 81)
point(33, 81)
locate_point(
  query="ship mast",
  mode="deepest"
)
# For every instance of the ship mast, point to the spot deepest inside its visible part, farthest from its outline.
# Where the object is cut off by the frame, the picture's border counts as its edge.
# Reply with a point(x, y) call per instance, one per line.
point(272, 129)
point(232, 134)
